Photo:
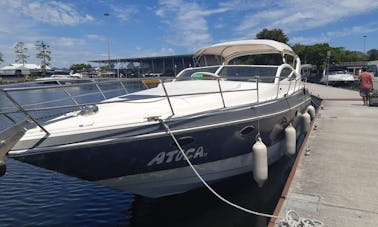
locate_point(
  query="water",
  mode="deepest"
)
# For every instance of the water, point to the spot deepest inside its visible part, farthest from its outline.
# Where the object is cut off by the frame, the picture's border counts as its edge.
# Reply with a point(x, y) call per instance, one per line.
point(33, 196)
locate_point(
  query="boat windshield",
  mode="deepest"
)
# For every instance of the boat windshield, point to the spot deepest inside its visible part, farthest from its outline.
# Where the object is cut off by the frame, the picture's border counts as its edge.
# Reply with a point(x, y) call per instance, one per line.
point(266, 74)
point(235, 72)
point(187, 73)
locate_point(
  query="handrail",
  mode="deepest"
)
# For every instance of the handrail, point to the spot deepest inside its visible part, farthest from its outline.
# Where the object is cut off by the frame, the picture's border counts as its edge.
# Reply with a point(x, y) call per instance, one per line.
point(25, 112)
point(21, 108)
point(26, 109)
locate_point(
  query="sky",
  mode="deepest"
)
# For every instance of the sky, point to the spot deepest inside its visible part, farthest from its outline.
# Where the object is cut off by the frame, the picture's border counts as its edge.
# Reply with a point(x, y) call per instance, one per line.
point(77, 31)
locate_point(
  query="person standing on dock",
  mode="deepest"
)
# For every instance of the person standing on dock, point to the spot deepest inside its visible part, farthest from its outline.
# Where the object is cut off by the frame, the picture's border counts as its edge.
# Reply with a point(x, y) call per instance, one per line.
point(366, 85)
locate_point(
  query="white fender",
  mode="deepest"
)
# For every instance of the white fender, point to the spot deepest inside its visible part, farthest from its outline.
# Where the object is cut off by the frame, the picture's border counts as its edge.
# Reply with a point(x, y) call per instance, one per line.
point(311, 110)
point(260, 162)
point(290, 140)
point(297, 119)
point(306, 120)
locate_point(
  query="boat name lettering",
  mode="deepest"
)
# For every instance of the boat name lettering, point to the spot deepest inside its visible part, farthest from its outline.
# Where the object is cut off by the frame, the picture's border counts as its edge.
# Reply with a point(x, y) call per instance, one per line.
point(176, 155)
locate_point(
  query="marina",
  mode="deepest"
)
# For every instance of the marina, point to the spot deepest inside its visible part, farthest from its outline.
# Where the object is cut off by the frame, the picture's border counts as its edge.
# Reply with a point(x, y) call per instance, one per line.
point(334, 180)
point(157, 138)
point(284, 90)
point(189, 113)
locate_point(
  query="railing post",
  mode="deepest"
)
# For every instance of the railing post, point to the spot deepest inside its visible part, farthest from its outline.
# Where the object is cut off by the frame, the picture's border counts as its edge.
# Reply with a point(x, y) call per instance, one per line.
point(69, 95)
point(221, 93)
point(123, 86)
point(99, 89)
point(166, 95)
point(24, 111)
point(278, 88)
point(257, 88)
point(290, 80)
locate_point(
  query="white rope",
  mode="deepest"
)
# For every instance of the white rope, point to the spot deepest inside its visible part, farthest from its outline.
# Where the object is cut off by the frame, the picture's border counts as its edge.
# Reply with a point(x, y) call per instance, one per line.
point(292, 219)
point(208, 186)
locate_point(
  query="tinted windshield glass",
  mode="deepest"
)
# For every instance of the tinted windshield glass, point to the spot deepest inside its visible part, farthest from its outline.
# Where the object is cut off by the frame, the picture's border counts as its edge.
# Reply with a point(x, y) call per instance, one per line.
point(188, 72)
point(243, 72)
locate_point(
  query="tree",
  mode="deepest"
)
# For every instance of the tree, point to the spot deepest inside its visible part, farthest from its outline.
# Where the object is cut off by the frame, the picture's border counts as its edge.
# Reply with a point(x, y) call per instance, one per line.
point(274, 34)
point(1, 58)
point(80, 67)
point(372, 54)
point(43, 54)
point(20, 50)
point(314, 54)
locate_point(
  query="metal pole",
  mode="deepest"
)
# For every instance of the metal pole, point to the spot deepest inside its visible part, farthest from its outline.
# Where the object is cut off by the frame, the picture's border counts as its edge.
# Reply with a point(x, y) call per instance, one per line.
point(167, 96)
point(364, 42)
point(108, 42)
point(24, 111)
point(221, 93)
point(327, 67)
point(257, 89)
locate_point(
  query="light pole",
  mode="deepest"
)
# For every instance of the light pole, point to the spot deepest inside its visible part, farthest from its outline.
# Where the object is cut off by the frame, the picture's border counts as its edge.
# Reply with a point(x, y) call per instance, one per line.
point(327, 70)
point(364, 36)
point(108, 42)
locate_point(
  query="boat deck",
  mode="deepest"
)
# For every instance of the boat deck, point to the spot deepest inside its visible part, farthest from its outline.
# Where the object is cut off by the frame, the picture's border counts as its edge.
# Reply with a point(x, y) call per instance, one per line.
point(335, 178)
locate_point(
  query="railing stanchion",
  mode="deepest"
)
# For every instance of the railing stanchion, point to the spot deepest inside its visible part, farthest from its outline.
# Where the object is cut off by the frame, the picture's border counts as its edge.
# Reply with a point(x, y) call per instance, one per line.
point(221, 93)
point(69, 95)
point(123, 86)
point(99, 89)
point(278, 87)
point(24, 111)
point(257, 88)
point(166, 95)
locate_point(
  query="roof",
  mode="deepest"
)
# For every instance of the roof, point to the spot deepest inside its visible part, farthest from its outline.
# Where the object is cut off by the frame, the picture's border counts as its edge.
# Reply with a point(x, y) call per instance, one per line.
point(230, 50)
point(143, 59)
point(20, 66)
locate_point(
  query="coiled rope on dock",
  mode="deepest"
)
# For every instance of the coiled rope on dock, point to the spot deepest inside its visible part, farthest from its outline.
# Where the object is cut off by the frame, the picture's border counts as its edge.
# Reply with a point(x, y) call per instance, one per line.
point(292, 219)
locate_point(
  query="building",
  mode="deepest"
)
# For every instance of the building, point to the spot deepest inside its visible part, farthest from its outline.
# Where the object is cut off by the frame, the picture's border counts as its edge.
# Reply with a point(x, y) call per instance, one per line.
point(149, 66)
point(19, 72)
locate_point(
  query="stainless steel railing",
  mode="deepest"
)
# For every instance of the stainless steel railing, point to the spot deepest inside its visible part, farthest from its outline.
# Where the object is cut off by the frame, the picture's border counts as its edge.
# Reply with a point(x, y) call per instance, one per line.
point(47, 105)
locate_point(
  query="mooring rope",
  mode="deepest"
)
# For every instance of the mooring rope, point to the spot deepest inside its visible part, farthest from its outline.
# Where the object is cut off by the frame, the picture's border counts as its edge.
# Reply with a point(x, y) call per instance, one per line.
point(292, 219)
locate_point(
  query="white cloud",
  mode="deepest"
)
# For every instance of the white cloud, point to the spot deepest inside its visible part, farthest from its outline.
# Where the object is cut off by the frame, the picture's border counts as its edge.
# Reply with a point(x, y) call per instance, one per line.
point(297, 15)
point(141, 52)
point(65, 42)
point(96, 37)
point(124, 13)
point(49, 12)
point(187, 22)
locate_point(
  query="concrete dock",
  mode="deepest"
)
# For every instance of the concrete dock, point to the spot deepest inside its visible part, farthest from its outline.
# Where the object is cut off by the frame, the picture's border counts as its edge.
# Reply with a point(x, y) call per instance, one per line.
point(335, 177)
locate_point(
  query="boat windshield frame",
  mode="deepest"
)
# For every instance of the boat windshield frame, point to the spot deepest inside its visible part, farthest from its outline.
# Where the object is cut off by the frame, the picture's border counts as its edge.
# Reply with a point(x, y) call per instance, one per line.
point(265, 73)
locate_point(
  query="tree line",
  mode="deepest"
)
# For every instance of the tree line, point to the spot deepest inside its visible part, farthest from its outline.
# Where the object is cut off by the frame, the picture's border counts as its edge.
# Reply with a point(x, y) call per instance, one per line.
point(318, 54)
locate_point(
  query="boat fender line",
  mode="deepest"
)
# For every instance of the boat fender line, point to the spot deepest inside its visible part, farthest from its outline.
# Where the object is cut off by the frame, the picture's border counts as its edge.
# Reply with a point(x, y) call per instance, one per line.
point(285, 221)
point(260, 162)
point(306, 121)
point(206, 184)
point(290, 140)
point(311, 110)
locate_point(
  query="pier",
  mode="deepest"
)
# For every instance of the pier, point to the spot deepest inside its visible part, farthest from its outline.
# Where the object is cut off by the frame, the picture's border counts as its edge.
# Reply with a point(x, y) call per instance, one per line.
point(335, 177)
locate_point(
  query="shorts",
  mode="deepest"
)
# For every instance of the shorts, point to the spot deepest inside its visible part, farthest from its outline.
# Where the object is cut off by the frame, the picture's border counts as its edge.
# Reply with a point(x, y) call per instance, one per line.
point(364, 92)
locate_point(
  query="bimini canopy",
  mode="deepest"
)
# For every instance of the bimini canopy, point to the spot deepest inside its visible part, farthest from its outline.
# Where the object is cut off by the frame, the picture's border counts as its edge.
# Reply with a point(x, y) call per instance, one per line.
point(231, 50)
